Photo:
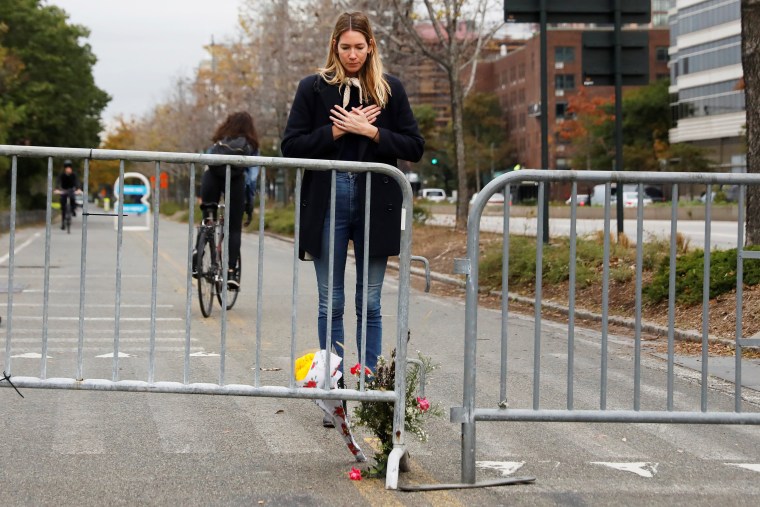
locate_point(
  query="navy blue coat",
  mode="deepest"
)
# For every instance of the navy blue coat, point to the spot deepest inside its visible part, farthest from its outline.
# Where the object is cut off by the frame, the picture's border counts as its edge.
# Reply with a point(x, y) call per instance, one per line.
point(308, 134)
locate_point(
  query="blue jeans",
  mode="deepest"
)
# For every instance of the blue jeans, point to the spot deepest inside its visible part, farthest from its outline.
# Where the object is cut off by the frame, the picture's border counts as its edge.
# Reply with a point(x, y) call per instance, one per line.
point(349, 225)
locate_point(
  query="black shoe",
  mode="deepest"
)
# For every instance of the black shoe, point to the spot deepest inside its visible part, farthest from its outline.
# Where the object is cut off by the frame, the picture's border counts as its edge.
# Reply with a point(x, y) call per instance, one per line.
point(327, 422)
point(73, 213)
point(232, 280)
point(63, 227)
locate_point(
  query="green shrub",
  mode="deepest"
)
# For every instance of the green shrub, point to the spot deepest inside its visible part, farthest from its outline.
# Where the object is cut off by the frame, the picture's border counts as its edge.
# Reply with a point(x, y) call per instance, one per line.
point(689, 276)
point(169, 208)
point(420, 214)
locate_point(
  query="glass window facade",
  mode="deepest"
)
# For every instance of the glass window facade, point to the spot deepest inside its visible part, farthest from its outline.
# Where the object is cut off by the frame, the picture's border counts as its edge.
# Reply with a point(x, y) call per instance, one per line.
point(711, 55)
point(708, 100)
point(705, 15)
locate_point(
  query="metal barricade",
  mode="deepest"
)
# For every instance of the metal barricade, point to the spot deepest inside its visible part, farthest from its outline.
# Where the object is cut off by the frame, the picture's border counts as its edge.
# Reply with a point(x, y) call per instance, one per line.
point(505, 409)
point(78, 380)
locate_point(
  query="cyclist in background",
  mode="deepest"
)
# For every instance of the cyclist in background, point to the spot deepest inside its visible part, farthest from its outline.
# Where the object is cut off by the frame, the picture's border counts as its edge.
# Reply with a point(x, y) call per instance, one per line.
point(236, 130)
point(68, 184)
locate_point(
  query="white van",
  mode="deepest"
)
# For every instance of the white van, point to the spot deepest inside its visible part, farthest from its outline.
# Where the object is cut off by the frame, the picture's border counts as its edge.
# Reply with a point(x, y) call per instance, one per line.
point(433, 194)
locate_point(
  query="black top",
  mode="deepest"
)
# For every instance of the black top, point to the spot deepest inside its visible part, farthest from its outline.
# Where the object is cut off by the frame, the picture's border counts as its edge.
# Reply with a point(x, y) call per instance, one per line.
point(308, 134)
point(68, 181)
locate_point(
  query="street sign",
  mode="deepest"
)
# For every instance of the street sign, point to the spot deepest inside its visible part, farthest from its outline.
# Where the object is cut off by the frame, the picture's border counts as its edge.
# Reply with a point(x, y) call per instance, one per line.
point(585, 11)
point(598, 63)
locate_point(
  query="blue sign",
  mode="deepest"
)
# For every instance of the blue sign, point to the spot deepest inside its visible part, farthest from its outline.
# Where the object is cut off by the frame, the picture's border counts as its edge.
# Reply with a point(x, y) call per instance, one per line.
point(134, 190)
point(135, 208)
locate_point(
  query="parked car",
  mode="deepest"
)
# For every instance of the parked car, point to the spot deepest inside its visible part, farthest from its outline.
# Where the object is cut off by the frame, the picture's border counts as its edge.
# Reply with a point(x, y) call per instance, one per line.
point(496, 198)
point(654, 194)
point(433, 194)
point(631, 200)
point(583, 199)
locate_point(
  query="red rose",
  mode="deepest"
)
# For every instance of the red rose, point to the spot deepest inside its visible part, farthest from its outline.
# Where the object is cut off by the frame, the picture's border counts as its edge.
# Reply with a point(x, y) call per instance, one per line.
point(423, 403)
point(355, 369)
point(355, 474)
point(311, 383)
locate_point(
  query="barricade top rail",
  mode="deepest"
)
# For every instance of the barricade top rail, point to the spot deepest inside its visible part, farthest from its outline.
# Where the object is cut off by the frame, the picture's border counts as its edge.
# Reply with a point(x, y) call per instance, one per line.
point(196, 158)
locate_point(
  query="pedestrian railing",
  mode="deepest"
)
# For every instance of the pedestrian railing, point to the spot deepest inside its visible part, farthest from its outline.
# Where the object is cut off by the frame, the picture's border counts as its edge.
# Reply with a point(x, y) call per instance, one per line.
point(192, 164)
point(521, 406)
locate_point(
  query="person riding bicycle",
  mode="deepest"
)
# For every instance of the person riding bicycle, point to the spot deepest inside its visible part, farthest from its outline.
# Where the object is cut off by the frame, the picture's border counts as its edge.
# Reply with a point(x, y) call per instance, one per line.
point(236, 129)
point(68, 185)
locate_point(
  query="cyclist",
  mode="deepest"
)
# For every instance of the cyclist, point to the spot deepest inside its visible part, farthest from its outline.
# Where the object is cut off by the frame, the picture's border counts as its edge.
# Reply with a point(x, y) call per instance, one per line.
point(68, 186)
point(236, 129)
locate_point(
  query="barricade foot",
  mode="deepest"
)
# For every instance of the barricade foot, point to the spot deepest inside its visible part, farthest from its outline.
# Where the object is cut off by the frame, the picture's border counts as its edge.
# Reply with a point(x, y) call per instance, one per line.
point(392, 470)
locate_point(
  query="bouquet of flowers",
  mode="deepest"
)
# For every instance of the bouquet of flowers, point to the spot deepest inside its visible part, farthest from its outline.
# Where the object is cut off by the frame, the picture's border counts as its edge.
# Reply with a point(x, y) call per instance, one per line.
point(378, 416)
point(310, 373)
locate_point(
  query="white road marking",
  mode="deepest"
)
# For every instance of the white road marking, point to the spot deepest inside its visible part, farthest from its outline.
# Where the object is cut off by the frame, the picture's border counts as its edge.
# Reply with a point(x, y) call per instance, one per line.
point(204, 354)
point(755, 467)
point(504, 467)
point(642, 468)
point(30, 355)
point(75, 332)
point(110, 354)
point(23, 245)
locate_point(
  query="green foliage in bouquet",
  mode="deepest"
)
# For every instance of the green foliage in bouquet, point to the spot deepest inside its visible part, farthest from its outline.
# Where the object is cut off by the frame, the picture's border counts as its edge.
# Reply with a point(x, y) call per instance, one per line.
point(378, 416)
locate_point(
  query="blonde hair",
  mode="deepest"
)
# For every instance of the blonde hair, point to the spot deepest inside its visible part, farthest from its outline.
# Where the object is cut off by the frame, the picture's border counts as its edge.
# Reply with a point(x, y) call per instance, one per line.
point(371, 74)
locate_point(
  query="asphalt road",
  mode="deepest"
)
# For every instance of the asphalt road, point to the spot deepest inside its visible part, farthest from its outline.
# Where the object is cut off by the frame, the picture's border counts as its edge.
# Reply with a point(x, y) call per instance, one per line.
point(95, 448)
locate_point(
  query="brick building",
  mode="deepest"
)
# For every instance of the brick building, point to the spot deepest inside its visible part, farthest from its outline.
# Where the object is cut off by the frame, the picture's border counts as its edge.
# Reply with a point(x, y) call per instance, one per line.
point(516, 79)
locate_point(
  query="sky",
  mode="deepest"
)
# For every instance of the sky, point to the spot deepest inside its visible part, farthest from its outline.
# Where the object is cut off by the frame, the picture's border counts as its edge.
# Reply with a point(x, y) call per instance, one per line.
point(142, 46)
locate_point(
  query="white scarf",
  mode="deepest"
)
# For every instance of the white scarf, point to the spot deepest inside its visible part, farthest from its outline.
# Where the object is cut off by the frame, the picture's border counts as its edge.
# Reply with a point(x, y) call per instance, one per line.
point(347, 84)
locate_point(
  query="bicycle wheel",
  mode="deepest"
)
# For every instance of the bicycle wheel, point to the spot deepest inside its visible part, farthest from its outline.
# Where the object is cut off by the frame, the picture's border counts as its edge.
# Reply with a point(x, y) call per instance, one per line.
point(68, 220)
point(231, 294)
point(206, 274)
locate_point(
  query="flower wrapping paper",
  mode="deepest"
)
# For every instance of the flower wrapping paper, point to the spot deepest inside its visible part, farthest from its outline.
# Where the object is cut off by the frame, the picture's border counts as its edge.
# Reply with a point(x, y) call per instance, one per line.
point(335, 409)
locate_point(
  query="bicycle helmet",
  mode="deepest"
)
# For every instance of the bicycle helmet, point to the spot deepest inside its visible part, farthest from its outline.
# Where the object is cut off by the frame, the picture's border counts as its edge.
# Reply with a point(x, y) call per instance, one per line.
point(68, 163)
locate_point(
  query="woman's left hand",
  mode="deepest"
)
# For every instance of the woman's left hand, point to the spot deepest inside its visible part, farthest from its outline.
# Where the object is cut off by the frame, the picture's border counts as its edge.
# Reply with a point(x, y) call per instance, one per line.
point(357, 121)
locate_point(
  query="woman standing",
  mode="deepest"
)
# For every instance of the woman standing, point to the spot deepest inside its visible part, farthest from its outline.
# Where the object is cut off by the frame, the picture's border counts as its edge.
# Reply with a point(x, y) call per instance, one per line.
point(237, 135)
point(351, 111)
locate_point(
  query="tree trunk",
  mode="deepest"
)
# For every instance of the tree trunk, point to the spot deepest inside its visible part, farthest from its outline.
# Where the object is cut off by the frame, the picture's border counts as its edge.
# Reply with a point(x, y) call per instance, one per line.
point(751, 64)
point(457, 106)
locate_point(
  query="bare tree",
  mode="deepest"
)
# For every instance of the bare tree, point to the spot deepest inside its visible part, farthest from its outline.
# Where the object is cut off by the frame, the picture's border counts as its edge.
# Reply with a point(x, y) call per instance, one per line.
point(461, 29)
point(751, 63)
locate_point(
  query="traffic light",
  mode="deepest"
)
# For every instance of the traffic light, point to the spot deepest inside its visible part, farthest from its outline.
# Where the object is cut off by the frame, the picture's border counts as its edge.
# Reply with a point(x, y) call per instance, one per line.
point(434, 161)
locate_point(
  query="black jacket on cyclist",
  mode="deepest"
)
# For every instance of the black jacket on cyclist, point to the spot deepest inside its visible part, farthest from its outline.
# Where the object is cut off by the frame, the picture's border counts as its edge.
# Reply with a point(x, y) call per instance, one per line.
point(68, 181)
point(212, 188)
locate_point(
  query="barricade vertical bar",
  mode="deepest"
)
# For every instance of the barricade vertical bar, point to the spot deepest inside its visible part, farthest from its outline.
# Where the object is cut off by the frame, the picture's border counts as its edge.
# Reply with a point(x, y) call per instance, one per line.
point(537, 305)
point(606, 292)
point(188, 275)
point(46, 294)
point(260, 273)
point(119, 252)
point(505, 296)
point(365, 281)
point(11, 266)
point(672, 293)
point(402, 328)
point(83, 270)
point(571, 295)
point(470, 347)
point(294, 296)
point(639, 283)
point(225, 266)
point(739, 300)
point(330, 284)
point(154, 275)
point(706, 297)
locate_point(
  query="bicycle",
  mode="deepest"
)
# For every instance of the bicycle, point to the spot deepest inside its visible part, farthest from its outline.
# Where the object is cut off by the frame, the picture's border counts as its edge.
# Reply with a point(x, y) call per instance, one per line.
point(67, 212)
point(209, 261)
